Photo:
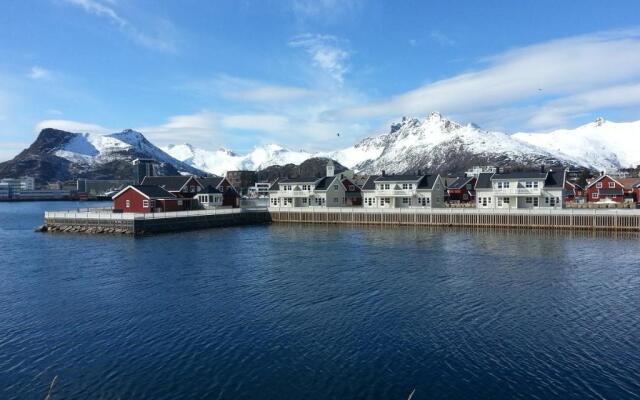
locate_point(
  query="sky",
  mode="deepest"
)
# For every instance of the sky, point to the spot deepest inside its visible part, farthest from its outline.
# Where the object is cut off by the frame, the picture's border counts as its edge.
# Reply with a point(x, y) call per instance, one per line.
point(241, 73)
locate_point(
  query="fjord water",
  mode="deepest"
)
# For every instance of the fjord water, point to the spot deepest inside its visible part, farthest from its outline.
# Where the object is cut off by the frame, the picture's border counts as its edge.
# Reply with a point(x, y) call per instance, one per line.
point(317, 312)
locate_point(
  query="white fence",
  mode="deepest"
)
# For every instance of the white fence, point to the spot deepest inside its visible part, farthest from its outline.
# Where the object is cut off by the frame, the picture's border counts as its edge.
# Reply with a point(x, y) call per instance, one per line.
point(466, 211)
point(98, 214)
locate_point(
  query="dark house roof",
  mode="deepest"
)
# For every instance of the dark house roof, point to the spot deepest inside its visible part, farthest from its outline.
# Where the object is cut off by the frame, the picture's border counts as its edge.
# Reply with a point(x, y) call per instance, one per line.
point(611, 192)
point(370, 183)
point(460, 182)
point(521, 175)
point(214, 181)
point(152, 192)
point(275, 186)
point(170, 183)
point(555, 179)
point(324, 183)
point(398, 178)
point(427, 182)
point(306, 179)
point(484, 180)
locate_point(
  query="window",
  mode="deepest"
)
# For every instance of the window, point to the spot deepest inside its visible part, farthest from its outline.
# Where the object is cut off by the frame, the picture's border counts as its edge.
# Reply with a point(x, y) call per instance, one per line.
point(535, 184)
point(145, 203)
point(153, 204)
point(304, 201)
point(352, 188)
point(406, 200)
point(599, 185)
point(180, 202)
point(612, 185)
point(484, 201)
point(552, 202)
point(528, 184)
point(127, 203)
point(335, 187)
point(546, 200)
point(506, 200)
point(535, 202)
point(528, 200)
point(594, 195)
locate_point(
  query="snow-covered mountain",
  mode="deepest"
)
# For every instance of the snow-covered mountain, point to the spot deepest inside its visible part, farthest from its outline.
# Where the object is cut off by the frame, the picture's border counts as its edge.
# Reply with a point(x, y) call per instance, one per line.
point(61, 155)
point(435, 143)
point(600, 144)
point(223, 160)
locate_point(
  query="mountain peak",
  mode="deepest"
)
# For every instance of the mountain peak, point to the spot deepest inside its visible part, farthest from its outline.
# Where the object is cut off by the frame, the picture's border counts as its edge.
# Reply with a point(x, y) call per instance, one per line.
point(599, 121)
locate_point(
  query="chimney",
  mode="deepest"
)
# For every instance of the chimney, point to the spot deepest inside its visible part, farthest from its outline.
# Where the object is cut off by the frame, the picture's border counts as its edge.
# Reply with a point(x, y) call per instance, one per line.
point(383, 173)
point(419, 172)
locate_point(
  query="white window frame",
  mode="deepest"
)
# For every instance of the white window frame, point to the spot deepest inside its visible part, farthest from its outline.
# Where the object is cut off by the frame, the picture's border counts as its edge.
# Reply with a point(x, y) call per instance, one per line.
point(127, 203)
point(145, 203)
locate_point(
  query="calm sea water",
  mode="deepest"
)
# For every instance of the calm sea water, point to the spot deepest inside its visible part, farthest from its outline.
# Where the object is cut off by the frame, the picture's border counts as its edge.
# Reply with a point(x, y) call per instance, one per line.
point(317, 312)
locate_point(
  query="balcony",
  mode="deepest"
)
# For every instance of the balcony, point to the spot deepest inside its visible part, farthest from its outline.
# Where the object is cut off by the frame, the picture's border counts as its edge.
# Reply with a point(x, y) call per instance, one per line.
point(518, 191)
point(295, 193)
point(396, 193)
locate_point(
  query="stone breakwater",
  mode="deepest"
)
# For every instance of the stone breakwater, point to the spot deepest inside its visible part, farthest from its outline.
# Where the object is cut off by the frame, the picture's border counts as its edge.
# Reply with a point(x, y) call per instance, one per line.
point(82, 229)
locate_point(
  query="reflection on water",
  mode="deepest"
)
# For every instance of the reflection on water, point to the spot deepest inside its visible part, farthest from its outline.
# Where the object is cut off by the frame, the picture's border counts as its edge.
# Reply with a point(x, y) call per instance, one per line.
point(318, 311)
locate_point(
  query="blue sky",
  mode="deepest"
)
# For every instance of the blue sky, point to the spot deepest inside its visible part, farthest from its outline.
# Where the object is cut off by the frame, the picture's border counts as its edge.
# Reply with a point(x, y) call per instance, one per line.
point(237, 74)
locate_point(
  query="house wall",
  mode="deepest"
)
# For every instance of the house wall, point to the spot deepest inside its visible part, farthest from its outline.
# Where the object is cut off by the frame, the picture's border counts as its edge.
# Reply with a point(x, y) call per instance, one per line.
point(136, 202)
point(605, 182)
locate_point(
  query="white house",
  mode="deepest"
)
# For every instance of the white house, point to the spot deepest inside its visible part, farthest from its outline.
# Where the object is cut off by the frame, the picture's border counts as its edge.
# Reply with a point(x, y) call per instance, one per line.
point(521, 190)
point(329, 191)
point(401, 191)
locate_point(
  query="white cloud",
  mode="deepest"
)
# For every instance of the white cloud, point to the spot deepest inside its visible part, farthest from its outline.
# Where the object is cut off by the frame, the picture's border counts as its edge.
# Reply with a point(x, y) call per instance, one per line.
point(555, 69)
point(199, 129)
point(39, 73)
point(73, 126)
point(325, 10)
point(326, 53)
point(258, 122)
point(251, 90)
point(156, 41)
point(441, 39)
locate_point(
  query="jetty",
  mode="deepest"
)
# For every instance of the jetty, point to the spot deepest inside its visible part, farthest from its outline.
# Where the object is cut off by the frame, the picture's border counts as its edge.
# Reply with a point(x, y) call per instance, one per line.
point(107, 221)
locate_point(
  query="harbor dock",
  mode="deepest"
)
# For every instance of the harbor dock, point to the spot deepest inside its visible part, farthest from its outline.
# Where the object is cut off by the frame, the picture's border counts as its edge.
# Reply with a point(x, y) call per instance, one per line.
point(107, 221)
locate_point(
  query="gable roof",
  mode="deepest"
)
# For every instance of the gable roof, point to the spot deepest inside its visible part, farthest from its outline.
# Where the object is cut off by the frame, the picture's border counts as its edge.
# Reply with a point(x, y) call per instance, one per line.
point(600, 178)
point(170, 183)
point(460, 182)
point(214, 181)
point(629, 183)
point(484, 180)
point(324, 183)
point(370, 183)
point(151, 192)
point(521, 175)
point(209, 190)
point(555, 179)
point(427, 181)
point(399, 178)
point(305, 180)
point(274, 186)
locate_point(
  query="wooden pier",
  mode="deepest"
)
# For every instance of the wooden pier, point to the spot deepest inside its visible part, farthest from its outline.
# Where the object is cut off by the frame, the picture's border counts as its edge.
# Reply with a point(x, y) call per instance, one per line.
point(612, 220)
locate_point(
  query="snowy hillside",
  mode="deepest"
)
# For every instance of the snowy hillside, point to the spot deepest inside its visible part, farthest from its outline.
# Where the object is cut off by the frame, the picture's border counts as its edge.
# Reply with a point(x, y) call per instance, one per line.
point(85, 148)
point(223, 160)
point(601, 144)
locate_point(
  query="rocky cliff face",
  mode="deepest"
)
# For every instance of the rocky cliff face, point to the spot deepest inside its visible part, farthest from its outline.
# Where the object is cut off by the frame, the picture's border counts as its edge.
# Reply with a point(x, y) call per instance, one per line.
point(59, 155)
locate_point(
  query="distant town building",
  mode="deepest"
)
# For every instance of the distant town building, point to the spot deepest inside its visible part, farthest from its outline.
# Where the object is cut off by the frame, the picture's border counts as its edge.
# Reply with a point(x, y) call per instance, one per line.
point(241, 180)
point(19, 184)
point(101, 187)
point(475, 171)
point(143, 167)
point(259, 189)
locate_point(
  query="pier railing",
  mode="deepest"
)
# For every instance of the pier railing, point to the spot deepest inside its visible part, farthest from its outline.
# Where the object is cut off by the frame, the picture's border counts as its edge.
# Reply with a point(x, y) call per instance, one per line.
point(461, 210)
point(107, 215)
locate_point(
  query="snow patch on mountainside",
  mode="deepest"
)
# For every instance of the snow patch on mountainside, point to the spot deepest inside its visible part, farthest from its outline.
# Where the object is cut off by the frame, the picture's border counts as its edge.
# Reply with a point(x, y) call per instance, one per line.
point(600, 144)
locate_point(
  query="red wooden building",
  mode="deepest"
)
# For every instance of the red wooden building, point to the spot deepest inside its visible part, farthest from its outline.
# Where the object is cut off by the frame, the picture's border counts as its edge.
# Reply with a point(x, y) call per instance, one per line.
point(147, 199)
point(573, 192)
point(462, 190)
point(604, 189)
